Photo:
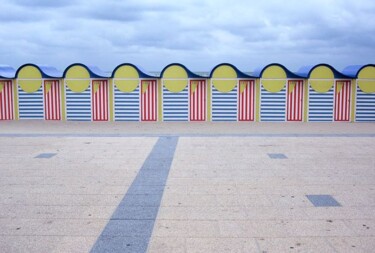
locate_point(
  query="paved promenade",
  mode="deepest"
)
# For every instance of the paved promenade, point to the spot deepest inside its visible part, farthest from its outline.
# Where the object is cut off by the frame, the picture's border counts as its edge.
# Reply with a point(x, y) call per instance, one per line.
point(186, 187)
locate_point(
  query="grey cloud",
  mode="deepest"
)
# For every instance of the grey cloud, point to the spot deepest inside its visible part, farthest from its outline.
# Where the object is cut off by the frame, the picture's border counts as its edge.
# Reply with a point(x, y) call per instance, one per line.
point(123, 11)
point(199, 34)
point(43, 3)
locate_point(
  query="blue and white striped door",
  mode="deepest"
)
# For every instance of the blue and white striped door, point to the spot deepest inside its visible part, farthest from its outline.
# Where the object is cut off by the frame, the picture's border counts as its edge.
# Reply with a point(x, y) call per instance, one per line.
point(272, 105)
point(176, 105)
point(127, 105)
point(31, 105)
point(321, 105)
point(224, 105)
point(78, 105)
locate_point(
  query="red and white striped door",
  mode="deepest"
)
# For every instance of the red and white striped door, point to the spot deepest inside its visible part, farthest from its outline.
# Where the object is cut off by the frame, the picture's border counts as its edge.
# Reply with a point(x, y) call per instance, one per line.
point(148, 100)
point(100, 100)
point(6, 100)
point(342, 101)
point(246, 96)
point(197, 100)
point(295, 100)
point(52, 100)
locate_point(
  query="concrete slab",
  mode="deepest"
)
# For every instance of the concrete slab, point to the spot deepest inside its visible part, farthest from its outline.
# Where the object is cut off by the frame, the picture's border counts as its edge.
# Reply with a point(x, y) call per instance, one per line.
point(222, 194)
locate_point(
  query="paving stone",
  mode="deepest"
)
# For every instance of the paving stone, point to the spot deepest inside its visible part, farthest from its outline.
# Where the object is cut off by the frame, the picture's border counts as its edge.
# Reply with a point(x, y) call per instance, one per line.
point(45, 155)
point(323, 200)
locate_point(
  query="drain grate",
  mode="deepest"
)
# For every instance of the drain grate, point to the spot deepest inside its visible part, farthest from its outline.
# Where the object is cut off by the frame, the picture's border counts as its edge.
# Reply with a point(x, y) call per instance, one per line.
point(277, 156)
point(45, 155)
point(323, 200)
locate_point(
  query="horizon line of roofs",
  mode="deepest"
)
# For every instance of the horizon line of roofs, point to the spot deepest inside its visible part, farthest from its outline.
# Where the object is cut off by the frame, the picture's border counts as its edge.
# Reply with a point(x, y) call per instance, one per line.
point(351, 71)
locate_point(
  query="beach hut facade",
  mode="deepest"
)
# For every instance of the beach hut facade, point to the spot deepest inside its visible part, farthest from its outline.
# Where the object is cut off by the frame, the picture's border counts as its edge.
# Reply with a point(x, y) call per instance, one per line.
point(329, 93)
point(364, 76)
point(184, 94)
point(281, 94)
point(135, 94)
point(39, 92)
point(7, 75)
point(87, 93)
point(317, 93)
point(232, 94)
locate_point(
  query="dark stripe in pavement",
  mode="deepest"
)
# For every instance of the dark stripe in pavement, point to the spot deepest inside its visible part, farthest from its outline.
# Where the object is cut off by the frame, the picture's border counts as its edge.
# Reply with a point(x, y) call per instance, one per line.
point(130, 227)
point(67, 135)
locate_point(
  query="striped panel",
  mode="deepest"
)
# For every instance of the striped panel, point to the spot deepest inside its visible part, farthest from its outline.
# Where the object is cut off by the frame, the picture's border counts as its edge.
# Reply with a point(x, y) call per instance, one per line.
point(6, 100)
point(30, 105)
point(320, 106)
point(52, 100)
point(365, 106)
point(224, 105)
point(342, 101)
point(127, 105)
point(198, 100)
point(100, 100)
point(295, 100)
point(246, 101)
point(78, 105)
point(272, 105)
point(176, 105)
point(148, 100)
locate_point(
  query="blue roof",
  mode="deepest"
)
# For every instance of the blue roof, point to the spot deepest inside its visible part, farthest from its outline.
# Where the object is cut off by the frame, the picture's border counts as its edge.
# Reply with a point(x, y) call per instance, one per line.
point(239, 73)
point(45, 70)
point(142, 73)
point(7, 72)
point(94, 71)
point(189, 73)
point(50, 71)
point(305, 71)
point(354, 70)
point(289, 74)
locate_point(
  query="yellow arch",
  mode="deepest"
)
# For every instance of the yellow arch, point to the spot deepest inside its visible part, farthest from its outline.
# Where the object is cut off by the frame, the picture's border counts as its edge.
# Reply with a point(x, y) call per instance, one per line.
point(368, 85)
point(274, 78)
point(325, 78)
point(175, 78)
point(126, 72)
point(30, 79)
point(221, 73)
point(77, 78)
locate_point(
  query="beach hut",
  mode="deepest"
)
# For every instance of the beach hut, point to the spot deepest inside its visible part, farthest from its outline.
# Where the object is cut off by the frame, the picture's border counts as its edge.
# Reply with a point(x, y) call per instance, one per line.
point(364, 75)
point(330, 93)
point(87, 93)
point(281, 94)
point(39, 92)
point(135, 94)
point(232, 94)
point(7, 75)
point(184, 94)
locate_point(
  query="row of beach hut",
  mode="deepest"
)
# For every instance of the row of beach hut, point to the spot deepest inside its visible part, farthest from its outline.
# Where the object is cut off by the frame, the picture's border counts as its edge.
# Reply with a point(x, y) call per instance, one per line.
point(317, 93)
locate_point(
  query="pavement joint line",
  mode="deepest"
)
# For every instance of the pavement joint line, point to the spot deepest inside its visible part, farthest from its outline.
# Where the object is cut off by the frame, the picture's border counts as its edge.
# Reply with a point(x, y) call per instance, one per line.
point(135, 215)
point(262, 135)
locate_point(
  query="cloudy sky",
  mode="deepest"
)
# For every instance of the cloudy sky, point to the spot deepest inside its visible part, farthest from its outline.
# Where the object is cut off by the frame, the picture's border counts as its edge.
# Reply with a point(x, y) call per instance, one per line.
point(197, 33)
